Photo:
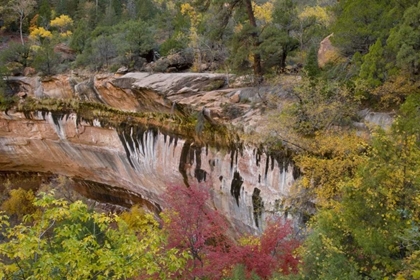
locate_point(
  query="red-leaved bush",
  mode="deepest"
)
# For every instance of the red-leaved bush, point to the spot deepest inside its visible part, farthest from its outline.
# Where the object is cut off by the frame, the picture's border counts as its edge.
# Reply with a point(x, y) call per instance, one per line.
point(201, 231)
point(274, 253)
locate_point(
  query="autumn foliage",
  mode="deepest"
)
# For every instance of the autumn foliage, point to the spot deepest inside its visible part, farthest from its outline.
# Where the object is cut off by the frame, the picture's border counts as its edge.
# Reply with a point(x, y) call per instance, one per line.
point(273, 252)
point(194, 227)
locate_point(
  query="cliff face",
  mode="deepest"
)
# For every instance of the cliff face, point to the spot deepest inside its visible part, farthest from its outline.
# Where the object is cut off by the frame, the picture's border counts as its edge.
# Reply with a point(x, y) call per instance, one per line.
point(130, 163)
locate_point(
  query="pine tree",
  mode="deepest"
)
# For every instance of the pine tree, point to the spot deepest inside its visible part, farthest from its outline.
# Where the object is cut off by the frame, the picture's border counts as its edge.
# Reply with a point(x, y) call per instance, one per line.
point(311, 67)
point(405, 43)
point(44, 14)
point(372, 71)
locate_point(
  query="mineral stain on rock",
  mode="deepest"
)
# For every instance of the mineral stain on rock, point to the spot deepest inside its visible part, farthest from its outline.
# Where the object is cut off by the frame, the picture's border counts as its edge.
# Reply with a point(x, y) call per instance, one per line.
point(184, 162)
point(258, 206)
point(235, 187)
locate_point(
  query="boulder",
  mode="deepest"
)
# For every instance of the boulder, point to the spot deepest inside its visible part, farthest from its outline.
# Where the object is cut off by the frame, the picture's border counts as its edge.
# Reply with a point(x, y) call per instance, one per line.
point(29, 71)
point(122, 70)
point(235, 98)
point(65, 52)
point(170, 64)
point(327, 52)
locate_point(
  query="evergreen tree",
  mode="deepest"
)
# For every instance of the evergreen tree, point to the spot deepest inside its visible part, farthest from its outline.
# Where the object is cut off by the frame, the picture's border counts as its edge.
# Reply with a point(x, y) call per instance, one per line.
point(404, 41)
point(311, 67)
point(44, 14)
point(243, 12)
point(45, 59)
point(372, 71)
point(66, 7)
point(80, 36)
point(361, 23)
point(132, 39)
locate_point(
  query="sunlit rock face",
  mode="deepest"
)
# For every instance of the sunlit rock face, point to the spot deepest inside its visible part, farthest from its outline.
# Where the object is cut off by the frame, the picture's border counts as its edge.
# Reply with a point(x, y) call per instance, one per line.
point(134, 164)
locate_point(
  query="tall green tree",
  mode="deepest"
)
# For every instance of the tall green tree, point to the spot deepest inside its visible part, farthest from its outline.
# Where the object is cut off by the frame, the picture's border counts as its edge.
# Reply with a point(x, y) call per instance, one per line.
point(311, 67)
point(243, 12)
point(45, 59)
point(404, 41)
point(361, 23)
point(277, 41)
point(372, 71)
point(132, 39)
point(80, 36)
point(44, 14)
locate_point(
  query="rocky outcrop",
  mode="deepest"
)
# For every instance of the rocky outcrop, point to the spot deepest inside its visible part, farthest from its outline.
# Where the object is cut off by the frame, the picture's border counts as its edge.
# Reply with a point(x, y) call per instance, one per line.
point(327, 52)
point(65, 52)
point(128, 162)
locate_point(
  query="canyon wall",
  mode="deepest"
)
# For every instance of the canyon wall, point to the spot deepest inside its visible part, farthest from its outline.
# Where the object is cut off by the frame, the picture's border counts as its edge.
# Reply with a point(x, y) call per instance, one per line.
point(134, 163)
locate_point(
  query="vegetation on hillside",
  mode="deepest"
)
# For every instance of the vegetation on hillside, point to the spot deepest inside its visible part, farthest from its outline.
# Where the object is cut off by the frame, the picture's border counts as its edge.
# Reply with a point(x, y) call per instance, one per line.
point(52, 238)
point(360, 190)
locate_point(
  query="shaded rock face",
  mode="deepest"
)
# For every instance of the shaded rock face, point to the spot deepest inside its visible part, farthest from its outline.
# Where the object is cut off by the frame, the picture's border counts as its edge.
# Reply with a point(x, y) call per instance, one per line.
point(134, 164)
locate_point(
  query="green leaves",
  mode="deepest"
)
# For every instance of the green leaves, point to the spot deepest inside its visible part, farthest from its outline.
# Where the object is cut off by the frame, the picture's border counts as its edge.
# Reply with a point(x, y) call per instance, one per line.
point(69, 241)
point(372, 71)
point(404, 40)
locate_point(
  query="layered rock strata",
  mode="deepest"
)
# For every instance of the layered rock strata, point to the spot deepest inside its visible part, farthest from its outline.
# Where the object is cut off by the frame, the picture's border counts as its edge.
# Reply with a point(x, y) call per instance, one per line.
point(133, 163)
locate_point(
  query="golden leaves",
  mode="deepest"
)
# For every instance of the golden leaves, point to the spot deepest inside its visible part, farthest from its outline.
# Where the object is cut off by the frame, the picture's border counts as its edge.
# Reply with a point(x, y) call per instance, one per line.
point(336, 159)
point(317, 12)
point(63, 22)
point(40, 33)
point(263, 12)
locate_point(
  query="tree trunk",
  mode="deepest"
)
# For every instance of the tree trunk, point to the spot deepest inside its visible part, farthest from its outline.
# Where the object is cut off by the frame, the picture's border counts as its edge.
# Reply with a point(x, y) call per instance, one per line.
point(283, 60)
point(258, 73)
point(20, 29)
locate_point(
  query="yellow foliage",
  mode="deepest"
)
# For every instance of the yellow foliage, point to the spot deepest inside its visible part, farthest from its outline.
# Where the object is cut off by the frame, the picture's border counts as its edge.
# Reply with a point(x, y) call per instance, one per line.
point(195, 17)
point(263, 12)
point(40, 32)
point(249, 240)
point(238, 28)
point(20, 203)
point(33, 22)
point(317, 12)
point(412, 267)
point(63, 23)
point(35, 48)
point(395, 89)
point(66, 34)
point(337, 158)
point(186, 8)
point(138, 220)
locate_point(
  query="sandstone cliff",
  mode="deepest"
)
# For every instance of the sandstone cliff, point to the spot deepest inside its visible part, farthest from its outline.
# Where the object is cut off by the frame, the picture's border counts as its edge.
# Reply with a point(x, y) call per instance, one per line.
point(128, 156)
